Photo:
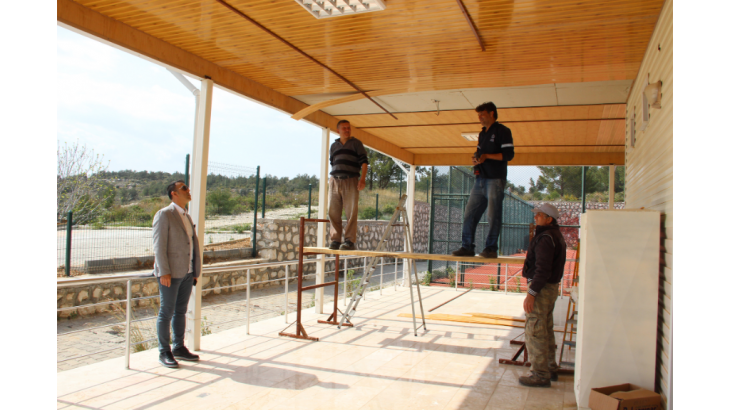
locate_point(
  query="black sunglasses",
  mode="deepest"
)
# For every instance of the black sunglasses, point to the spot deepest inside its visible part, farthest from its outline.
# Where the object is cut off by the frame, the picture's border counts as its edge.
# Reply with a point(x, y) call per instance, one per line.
point(184, 188)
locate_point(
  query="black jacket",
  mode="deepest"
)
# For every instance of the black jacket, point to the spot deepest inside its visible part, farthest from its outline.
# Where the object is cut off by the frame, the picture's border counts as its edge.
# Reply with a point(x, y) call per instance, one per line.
point(495, 140)
point(545, 260)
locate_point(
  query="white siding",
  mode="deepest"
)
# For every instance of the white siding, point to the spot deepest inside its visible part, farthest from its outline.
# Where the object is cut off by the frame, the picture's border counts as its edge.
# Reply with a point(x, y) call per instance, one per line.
point(649, 174)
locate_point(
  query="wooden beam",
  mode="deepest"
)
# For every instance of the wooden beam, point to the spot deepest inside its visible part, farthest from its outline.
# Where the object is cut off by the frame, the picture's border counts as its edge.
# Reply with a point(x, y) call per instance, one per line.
point(350, 98)
point(418, 256)
point(547, 158)
point(307, 56)
point(471, 23)
point(135, 41)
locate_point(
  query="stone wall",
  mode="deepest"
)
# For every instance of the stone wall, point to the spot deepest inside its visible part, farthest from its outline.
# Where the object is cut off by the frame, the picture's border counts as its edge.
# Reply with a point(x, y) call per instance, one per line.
point(277, 240)
point(570, 211)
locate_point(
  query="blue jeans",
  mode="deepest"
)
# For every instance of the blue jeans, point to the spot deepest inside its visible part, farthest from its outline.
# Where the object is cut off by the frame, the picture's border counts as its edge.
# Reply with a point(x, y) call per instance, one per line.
point(487, 194)
point(173, 306)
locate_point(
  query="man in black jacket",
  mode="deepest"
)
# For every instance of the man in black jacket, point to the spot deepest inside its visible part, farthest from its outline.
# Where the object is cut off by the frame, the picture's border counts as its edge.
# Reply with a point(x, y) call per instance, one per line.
point(494, 150)
point(543, 270)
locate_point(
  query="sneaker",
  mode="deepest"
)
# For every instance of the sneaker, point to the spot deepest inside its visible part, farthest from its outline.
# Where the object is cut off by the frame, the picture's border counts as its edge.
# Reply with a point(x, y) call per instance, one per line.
point(167, 360)
point(184, 354)
point(335, 245)
point(347, 246)
point(534, 381)
point(462, 252)
point(488, 253)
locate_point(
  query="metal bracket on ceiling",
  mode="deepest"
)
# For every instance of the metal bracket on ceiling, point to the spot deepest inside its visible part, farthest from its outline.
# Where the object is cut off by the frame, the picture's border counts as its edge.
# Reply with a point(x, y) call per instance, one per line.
point(438, 110)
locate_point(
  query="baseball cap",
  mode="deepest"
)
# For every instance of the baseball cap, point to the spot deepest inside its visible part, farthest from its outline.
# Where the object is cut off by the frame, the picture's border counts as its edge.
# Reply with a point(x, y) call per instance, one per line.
point(548, 210)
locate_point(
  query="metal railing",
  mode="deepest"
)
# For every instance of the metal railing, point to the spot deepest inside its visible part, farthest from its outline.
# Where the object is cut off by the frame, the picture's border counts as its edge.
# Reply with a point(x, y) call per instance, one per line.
point(129, 278)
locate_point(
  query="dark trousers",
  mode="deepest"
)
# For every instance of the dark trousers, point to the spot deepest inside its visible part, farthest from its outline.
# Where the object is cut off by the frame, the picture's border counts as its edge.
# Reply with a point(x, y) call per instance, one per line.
point(173, 306)
point(487, 195)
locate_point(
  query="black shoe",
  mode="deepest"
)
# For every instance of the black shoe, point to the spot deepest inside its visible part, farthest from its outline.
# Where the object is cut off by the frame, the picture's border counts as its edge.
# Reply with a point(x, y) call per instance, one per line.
point(488, 253)
point(553, 376)
point(167, 360)
point(335, 245)
point(534, 381)
point(184, 354)
point(462, 252)
point(347, 246)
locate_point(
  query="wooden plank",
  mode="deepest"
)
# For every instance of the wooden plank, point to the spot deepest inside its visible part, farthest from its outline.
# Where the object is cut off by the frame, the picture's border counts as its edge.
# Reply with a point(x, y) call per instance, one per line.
point(419, 47)
point(500, 317)
point(467, 319)
point(443, 317)
point(419, 256)
point(138, 42)
point(557, 158)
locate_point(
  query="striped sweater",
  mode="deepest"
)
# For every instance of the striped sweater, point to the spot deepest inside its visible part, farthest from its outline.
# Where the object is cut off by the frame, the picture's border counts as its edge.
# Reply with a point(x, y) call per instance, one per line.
point(346, 160)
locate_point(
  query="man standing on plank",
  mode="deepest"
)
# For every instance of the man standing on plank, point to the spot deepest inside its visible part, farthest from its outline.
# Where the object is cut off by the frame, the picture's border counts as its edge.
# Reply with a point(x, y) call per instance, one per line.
point(494, 150)
point(543, 270)
point(349, 163)
point(177, 268)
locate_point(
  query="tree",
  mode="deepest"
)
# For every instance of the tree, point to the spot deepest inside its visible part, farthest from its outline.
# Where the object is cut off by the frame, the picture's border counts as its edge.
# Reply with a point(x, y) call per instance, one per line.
point(220, 201)
point(79, 184)
point(383, 168)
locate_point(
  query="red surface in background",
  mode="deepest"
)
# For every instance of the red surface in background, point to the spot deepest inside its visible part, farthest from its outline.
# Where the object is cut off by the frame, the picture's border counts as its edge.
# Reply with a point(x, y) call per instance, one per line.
point(479, 276)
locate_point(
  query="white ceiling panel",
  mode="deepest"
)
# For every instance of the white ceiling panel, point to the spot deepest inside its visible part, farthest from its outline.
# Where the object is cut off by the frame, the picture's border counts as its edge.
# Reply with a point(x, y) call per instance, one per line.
point(545, 95)
point(600, 92)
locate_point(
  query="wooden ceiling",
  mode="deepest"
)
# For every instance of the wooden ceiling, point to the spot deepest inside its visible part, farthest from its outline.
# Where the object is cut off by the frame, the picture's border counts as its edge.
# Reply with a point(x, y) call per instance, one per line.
point(412, 46)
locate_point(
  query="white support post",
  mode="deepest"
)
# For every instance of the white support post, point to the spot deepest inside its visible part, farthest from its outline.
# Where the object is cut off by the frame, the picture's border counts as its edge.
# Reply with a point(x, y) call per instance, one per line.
point(611, 185)
point(410, 211)
point(198, 181)
point(322, 214)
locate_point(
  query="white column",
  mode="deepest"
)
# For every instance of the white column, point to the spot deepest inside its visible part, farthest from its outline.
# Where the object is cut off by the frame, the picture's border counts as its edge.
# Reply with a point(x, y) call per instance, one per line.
point(410, 210)
point(322, 214)
point(611, 185)
point(198, 179)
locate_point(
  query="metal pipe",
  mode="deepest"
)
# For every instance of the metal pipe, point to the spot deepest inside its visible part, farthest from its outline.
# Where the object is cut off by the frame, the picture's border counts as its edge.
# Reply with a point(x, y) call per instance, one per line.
point(187, 170)
point(432, 214)
point(583, 189)
point(300, 274)
point(248, 300)
point(286, 286)
point(376, 205)
point(69, 219)
point(395, 275)
point(263, 200)
point(255, 211)
point(309, 207)
point(381, 276)
point(456, 275)
point(345, 282)
point(506, 278)
point(129, 324)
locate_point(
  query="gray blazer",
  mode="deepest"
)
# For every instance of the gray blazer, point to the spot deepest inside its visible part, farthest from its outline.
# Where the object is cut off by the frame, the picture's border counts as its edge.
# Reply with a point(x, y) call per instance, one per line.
point(171, 246)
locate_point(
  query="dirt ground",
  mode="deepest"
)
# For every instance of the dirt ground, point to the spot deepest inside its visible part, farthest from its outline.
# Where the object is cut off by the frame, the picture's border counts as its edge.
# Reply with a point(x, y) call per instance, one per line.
point(241, 243)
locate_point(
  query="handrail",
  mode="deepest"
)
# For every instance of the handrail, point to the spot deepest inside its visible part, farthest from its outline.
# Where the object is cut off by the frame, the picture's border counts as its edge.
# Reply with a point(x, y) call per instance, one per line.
point(63, 283)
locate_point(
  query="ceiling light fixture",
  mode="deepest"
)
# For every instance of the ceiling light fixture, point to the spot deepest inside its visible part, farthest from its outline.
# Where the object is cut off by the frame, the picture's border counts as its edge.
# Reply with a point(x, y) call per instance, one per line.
point(334, 8)
point(470, 136)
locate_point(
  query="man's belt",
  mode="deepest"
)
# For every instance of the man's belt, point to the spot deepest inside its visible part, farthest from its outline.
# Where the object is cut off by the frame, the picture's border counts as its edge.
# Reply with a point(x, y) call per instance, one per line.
point(343, 176)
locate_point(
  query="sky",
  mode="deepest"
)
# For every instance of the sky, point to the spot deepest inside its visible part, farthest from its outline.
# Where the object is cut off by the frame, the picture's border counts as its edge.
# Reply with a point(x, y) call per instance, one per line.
point(140, 117)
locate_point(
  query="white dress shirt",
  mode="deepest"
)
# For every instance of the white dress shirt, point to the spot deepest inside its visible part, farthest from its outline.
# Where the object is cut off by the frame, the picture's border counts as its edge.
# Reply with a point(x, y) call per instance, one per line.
point(188, 229)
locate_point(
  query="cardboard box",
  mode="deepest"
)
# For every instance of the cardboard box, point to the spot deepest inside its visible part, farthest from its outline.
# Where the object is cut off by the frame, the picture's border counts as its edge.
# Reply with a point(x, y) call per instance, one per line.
point(624, 397)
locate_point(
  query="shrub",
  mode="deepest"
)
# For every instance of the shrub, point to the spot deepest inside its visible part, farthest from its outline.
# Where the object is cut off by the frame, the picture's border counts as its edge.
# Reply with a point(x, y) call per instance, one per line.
point(366, 213)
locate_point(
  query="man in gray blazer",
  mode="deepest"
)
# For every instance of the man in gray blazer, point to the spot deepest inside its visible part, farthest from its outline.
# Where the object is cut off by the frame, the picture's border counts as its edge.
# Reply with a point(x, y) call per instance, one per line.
point(177, 268)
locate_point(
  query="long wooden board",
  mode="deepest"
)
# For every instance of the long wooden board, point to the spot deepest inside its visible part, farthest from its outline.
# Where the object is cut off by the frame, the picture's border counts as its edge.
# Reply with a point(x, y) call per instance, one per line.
point(468, 319)
point(419, 256)
point(475, 320)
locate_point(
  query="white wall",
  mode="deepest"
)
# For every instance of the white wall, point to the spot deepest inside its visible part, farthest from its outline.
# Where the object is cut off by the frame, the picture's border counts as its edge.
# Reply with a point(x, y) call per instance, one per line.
point(649, 173)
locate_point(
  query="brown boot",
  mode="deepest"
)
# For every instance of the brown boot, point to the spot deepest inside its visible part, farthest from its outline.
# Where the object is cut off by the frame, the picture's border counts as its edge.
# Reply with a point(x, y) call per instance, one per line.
point(533, 381)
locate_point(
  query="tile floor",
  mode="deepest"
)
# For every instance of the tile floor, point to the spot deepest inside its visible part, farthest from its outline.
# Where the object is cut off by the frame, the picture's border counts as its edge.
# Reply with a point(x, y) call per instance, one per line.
point(378, 364)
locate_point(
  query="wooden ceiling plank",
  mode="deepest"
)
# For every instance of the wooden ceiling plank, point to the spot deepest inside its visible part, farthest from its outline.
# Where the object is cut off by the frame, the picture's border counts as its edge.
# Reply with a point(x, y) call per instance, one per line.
point(551, 159)
point(105, 28)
